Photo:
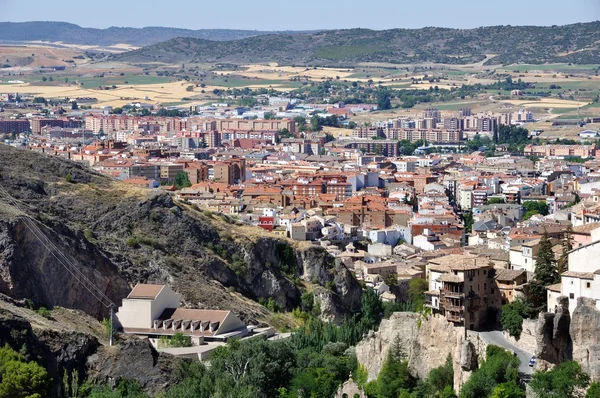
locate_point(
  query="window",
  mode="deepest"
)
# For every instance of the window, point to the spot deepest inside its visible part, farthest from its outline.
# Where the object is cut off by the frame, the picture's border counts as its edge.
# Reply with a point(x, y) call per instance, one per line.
point(484, 286)
point(492, 291)
point(484, 272)
point(525, 261)
point(571, 296)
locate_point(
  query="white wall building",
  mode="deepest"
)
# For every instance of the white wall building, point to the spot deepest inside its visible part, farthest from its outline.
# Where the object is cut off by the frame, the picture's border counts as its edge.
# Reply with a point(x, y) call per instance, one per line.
point(582, 279)
point(153, 311)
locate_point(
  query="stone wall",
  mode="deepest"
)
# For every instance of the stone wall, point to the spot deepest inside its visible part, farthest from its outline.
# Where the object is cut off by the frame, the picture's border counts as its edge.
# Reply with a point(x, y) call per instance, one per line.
point(528, 340)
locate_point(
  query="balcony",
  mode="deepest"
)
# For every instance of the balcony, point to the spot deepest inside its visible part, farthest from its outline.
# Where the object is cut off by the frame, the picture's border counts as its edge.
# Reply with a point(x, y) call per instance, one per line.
point(450, 293)
point(453, 317)
point(453, 308)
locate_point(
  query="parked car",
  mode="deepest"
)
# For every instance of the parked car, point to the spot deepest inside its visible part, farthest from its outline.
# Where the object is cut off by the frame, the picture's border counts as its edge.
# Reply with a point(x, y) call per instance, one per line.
point(532, 361)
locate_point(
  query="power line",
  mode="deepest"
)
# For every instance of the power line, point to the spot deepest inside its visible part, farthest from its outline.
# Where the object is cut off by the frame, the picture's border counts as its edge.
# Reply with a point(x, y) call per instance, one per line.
point(62, 259)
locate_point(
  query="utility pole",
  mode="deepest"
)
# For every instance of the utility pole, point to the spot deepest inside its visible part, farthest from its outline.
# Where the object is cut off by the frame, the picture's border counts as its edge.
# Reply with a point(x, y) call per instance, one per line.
point(110, 333)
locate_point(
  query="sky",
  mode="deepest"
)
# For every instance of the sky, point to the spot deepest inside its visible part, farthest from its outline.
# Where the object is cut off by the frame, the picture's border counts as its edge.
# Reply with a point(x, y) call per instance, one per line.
point(302, 14)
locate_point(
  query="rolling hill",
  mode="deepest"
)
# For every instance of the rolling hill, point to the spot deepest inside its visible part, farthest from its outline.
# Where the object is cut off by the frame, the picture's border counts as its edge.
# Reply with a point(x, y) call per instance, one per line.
point(577, 43)
point(138, 37)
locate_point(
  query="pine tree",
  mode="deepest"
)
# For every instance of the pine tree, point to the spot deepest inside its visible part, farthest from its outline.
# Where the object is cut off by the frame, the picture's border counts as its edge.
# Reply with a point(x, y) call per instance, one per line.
point(495, 136)
point(545, 267)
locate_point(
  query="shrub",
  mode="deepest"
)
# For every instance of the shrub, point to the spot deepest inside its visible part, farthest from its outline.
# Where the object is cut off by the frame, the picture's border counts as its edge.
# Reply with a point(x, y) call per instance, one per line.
point(19, 378)
point(69, 178)
point(43, 311)
point(131, 241)
point(89, 235)
point(513, 315)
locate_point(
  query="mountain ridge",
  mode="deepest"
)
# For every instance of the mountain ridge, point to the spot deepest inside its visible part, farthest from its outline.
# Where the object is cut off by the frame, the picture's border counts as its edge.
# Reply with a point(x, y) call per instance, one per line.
point(56, 31)
point(575, 43)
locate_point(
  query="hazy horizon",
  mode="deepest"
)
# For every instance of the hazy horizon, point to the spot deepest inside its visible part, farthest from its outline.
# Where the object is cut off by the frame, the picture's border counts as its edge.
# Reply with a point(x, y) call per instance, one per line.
point(263, 15)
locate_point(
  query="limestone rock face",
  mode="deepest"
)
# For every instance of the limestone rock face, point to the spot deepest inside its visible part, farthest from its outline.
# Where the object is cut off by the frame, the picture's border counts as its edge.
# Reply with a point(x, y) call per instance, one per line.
point(426, 343)
point(343, 296)
point(468, 356)
point(372, 350)
point(585, 324)
point(554, 344)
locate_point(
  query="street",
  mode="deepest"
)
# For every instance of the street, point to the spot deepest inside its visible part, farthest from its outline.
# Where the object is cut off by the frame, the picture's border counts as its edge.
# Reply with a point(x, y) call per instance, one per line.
point(496, 337)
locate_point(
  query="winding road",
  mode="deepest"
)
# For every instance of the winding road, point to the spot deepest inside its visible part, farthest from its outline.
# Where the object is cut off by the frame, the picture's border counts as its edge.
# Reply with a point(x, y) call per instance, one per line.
point(496, 337)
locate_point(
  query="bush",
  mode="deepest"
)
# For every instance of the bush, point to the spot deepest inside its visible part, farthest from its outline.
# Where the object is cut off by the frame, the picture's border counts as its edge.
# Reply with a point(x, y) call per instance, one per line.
point(69, 178)
point(562, 381)
point(131, 241)
point(19, 378)
point(500, 366)
point(513, 315)
point(45, 312)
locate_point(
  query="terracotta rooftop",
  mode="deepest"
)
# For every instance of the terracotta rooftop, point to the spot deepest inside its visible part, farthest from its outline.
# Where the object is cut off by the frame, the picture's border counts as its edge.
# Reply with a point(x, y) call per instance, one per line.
point(144, 291)
point(189, 314)
point(586, 228)
point(508, 275)
point(580, 275)
point(555, 288)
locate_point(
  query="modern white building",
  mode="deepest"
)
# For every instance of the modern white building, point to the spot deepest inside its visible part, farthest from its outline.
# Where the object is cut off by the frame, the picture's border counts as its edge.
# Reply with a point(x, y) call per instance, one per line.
point(153, 311)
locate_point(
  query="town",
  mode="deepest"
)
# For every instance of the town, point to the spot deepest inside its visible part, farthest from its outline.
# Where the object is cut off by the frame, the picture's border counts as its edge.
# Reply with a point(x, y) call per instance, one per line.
point(399, 213)
point(402, 199)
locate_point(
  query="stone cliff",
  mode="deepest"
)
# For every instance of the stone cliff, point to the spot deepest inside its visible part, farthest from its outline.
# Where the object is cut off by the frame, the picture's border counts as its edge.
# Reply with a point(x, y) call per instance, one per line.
point(585, 324)
point(119, 235)
point(554, 343)
point(71, 341)
point(426, 343)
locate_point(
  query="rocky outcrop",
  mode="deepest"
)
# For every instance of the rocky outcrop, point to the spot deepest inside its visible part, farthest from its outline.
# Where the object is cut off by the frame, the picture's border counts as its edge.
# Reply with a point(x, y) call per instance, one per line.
point(426, 342)
point(585, 324)
point(118, 235)
point(343, 293)
point(132, 360)
point(53, 344)
point(554, 344)
point(29, 269)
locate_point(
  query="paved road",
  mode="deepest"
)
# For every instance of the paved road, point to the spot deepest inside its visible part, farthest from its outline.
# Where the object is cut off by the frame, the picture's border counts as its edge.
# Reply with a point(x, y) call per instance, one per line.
point(496, 337)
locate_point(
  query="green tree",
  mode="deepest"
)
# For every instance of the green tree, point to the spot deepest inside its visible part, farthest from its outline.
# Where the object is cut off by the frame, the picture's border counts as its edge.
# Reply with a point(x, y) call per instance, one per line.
point(371, 307)
point(495, 201)
point(535, 207)
point(416, 293)
point(180, 340)
point(316, 123)
point(562, 381)
point(513, 315)
point(182, 180)
point(495, 135)
point(19, 378)
point(545, 274)
point(508, 390)
point(394, 375)
point(593, 391)
point(467, 218)
point(384, 100)
point(545, 267)
point(499, 367)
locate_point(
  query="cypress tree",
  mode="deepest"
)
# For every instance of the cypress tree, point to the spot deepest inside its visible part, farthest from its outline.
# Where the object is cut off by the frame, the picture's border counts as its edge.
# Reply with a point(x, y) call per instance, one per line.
point(545, 268)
